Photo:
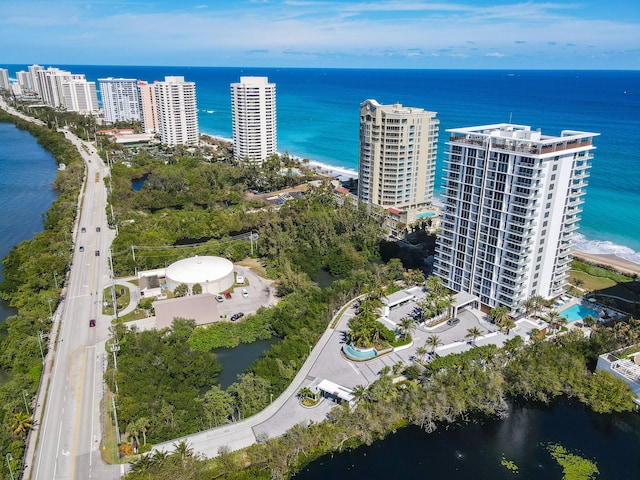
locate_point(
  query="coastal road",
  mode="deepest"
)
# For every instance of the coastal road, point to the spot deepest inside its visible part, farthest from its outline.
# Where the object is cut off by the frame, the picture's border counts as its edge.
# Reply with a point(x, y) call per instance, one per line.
point(71, 431)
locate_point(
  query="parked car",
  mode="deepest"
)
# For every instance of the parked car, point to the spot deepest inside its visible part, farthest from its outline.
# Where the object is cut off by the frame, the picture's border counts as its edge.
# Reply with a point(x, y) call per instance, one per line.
point(245, 294)
point(81, 249)
point(237, 316)
point(453, 321)
point(227, 295)
point(92, 323)
point(219, 298)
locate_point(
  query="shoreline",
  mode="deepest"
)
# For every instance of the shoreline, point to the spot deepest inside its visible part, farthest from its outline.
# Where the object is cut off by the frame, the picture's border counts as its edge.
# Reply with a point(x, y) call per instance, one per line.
point(619, 264)
point(343, 173)
point(609, 260)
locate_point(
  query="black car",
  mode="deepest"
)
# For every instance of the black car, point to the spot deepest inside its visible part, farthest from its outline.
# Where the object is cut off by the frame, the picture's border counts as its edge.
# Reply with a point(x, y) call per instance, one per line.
point(98, 229)
point(97, 253)
point(236, 316)
point(83, 230)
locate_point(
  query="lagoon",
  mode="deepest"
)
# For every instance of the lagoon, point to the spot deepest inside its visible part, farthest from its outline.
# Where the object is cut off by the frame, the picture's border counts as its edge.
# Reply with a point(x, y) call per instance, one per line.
point(235, 361)
point(26, 174)
point(475, 450)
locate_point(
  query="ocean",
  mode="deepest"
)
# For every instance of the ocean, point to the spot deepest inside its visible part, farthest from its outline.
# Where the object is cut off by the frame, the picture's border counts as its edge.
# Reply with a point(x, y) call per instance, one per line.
point(318, 113)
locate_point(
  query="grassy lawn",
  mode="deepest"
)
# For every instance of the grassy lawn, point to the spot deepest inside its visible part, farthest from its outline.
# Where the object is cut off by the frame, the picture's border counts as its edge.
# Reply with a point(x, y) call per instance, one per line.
point(137, 314)
point(255, 265)
point(123, 297)
point(590, 282)
point(109, 446)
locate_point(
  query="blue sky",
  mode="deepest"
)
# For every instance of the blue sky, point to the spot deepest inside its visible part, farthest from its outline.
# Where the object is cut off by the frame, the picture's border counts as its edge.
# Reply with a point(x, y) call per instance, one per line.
point(583, 34)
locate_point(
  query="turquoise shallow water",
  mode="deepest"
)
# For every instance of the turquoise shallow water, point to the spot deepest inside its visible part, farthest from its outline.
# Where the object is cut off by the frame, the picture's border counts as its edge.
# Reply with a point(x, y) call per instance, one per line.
point(578, 312)
point(318, 118)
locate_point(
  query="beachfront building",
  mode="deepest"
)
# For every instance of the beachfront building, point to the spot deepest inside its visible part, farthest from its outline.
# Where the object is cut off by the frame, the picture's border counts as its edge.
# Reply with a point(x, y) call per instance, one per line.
point(512, 198)
point(4, 79)
point(35, 79)
point(148, 106)
point(253, 117)
point(25, 81)
point(120, 99)
point(80, 96)
point(50, 83)
point(397, 158)
point(177, 111)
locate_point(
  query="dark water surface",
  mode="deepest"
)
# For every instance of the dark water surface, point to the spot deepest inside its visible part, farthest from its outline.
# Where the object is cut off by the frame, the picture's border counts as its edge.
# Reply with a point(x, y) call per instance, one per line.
point(236, 360)
point(475, 451)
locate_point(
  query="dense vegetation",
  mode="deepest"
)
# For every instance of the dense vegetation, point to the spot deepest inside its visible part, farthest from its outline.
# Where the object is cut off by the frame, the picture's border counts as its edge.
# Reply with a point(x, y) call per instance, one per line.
point(456, 388)
point(296, 241)
point(30, 286)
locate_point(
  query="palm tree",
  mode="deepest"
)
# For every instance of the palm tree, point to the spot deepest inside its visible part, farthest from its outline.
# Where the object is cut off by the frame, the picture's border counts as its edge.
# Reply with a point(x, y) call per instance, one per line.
point(508, 324)
point(360, 392)
point(133, 430)
point(538, 303)
point(143, 426)
point(529, 305)
point(183, 450)
point(473, 333)
point(305, 392)
point(578, 282)
point(553, 319)
point(433, 342)
point(21, 423)
point(435, 284)
point(407, 326)
point(421, 352)
point(499, 315)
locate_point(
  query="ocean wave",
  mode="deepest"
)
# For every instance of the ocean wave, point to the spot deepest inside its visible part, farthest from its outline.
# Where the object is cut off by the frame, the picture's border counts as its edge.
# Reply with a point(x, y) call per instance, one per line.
point(605, 247)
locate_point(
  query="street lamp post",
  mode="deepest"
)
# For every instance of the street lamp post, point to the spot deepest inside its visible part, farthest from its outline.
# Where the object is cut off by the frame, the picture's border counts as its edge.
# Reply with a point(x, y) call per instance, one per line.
point(41, 336)
point(50, 311)
point(9, 460)
point(24, 397)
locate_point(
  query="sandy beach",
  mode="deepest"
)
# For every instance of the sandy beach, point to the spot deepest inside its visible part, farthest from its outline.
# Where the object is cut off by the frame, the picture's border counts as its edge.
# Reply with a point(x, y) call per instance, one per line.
point(619, 264)
point(322, 168)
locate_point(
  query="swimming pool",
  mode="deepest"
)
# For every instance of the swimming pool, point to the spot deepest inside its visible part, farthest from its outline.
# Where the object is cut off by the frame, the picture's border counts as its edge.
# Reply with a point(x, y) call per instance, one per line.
point(356, 354)
point(426, 215)
point(578, 312)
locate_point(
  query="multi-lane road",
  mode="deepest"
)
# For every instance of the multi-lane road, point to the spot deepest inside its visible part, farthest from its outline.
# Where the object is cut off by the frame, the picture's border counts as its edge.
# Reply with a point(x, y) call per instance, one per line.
point(70, 432)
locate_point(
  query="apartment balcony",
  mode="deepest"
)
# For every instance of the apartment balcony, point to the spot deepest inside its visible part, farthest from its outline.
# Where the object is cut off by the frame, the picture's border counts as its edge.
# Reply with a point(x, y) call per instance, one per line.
point(559, 147)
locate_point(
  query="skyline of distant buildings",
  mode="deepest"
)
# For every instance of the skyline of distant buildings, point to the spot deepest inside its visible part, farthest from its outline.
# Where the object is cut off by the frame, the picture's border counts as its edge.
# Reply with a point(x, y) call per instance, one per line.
point(253, 118)
point(512, 196)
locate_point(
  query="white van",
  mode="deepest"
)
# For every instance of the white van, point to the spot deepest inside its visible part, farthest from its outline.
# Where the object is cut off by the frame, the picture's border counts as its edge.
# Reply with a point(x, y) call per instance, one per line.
point(240, 278)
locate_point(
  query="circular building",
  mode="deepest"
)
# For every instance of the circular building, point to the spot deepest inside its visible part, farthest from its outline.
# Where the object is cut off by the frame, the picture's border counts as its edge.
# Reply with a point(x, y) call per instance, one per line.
point(214, 274)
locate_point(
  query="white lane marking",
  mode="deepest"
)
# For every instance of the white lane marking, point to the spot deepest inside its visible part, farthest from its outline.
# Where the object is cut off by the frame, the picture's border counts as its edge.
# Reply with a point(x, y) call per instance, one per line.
point(355, 369)
point(93, 404)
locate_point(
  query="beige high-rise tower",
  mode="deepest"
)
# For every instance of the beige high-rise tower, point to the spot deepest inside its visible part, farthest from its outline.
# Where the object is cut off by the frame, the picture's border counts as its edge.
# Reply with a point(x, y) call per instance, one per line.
point(397, 158)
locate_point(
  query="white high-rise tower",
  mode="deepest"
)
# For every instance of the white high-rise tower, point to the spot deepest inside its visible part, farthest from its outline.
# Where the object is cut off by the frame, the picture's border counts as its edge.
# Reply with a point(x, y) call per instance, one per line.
point(512, 198)
point(177, 111)
point(253, 115)
point(120, 99)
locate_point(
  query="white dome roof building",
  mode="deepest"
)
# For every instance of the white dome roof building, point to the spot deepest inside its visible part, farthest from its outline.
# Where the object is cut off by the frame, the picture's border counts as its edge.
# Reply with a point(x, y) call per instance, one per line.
point(214, 274)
